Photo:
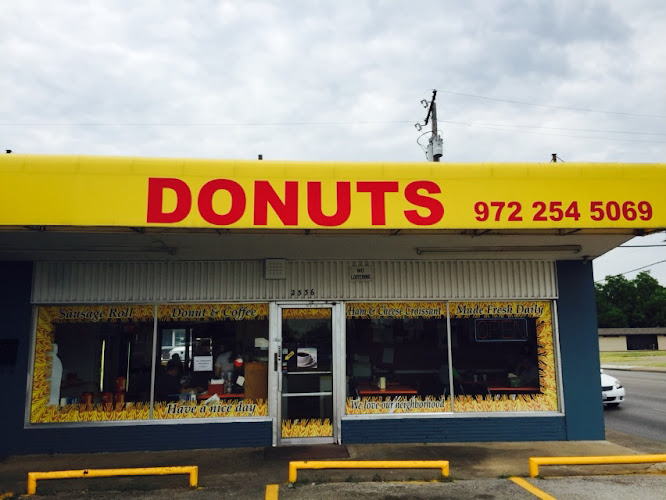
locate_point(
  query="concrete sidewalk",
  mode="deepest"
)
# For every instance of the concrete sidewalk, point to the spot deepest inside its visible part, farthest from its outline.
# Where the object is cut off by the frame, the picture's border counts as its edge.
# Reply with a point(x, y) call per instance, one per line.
point(244, 472)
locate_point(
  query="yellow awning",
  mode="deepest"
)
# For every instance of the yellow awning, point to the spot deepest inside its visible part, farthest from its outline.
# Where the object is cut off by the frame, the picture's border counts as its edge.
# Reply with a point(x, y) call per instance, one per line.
point(276, 195)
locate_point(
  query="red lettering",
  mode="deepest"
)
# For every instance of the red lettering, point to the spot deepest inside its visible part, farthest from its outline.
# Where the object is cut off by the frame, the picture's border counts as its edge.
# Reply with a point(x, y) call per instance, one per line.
point(434, 206)
point(343, 210)
point(205, 202)
point(156, 187)
point(286, 206)
point(377, 191)
point(265, 195)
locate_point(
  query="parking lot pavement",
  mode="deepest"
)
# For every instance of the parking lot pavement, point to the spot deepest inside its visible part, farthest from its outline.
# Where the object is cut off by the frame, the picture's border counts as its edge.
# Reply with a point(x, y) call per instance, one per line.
point(645, 487)
point(476, 469)
point(497, 489)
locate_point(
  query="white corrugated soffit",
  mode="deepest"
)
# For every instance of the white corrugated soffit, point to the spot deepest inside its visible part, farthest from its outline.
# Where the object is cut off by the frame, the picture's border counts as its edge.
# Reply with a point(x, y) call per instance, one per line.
point(238, 281)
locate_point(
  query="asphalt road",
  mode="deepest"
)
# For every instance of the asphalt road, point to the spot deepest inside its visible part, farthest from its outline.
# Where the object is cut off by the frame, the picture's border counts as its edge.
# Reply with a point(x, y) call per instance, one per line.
point(644, 411)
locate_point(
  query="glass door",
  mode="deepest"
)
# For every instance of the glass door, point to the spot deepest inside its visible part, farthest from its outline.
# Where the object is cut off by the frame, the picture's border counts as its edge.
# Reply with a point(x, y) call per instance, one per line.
point(304, 366)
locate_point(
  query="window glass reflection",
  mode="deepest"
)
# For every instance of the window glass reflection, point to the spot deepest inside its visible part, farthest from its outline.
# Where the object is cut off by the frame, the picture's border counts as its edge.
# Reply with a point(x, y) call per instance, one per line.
point(92, 363)
point(503, 356)
point(397, 358)
point(213, 361)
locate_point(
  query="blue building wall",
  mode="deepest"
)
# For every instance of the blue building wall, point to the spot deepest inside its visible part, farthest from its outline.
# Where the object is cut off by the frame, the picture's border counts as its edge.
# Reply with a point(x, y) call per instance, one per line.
point(141, 438)
point(15, 311)
point(437, 430)
point(579, 347)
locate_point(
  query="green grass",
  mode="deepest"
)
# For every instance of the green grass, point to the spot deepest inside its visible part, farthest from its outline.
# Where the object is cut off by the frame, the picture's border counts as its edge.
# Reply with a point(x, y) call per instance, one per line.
point(634, 358)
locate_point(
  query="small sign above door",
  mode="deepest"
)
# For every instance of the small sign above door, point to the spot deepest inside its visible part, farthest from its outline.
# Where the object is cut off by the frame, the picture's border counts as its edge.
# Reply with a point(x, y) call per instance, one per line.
point(361, 273)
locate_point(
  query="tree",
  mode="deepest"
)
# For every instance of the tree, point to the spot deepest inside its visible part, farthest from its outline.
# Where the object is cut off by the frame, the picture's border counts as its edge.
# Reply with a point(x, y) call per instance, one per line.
point(639, 303)
point(652, 298)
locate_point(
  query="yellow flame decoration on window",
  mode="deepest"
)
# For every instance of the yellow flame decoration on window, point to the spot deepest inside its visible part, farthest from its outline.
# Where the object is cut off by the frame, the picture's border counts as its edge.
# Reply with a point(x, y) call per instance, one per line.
point(377, 310)
point(212, 312)
point(314, 427)
point(541, 310)
point(47, 318)
point(547, 399)
point(306, 313)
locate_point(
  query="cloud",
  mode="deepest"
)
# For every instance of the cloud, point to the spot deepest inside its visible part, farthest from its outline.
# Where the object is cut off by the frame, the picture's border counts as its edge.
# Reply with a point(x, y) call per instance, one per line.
point(315, 80)
point(229, 79)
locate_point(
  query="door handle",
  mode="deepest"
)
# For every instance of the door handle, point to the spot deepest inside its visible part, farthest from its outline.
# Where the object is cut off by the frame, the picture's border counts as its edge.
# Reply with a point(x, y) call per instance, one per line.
point(277, 358)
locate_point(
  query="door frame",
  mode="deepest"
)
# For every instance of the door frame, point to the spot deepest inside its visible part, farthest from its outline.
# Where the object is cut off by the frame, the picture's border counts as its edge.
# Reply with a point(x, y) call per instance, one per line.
point(275, 368)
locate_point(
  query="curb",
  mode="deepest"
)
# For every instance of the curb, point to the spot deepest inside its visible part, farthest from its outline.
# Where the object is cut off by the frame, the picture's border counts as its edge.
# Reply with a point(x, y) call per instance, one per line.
point(651, 369)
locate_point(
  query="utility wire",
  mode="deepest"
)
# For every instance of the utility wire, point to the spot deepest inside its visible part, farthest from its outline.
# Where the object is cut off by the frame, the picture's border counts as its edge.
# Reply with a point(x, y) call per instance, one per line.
point(632, 271)
point(268, 124)
point(275, 124)
point(425, 151)
point(640, 246)
point(586, 110)
point(574, 129)
point(212, 124)
point(498, 126)
point(491, 126)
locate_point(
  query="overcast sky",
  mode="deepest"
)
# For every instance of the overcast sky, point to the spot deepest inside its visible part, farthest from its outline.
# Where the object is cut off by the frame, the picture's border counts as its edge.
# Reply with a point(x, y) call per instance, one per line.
point(340, 80)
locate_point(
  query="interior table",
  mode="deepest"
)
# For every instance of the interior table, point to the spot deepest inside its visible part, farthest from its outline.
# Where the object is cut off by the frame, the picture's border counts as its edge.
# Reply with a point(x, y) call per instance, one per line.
point(514, 390)
point(391, 390)
point(222, 396)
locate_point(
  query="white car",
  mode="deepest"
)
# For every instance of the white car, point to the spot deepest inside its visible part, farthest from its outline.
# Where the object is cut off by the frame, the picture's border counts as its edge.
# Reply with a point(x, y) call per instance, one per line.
point(180, 350)
point(611, 390)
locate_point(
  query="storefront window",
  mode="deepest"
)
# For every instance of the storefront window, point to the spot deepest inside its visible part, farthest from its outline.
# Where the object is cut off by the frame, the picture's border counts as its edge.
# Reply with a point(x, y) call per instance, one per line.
point(397, 358)
point(216, 364)
point(92, 363)
point(503, 356)
point(95, 363)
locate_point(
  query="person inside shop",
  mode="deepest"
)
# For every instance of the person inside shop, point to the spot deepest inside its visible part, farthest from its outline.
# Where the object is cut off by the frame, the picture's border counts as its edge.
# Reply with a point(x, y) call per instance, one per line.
point(527, 371)
point(175, 360)
point(228, 366)
point(167, 383)
point(224, 362)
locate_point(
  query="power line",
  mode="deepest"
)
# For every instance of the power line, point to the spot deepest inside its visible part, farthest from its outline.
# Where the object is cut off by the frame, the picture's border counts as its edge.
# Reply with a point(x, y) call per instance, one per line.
point(574, 129)
point(212, 124)
point(632, 271)
point(491, 126)
point(640, 246)
point(271, 124)
point(613, 139)
point(500, 126)
point(586, 110)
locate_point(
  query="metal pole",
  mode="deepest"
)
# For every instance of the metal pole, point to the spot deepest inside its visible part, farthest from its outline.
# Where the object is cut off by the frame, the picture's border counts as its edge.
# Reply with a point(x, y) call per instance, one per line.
point(434, 117)
point(434, 124)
